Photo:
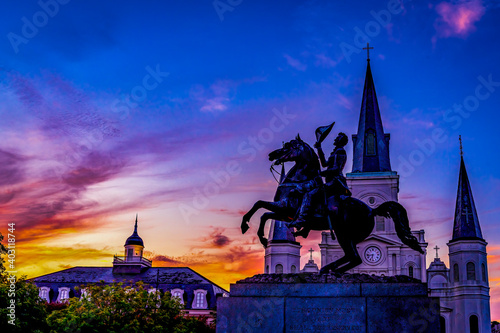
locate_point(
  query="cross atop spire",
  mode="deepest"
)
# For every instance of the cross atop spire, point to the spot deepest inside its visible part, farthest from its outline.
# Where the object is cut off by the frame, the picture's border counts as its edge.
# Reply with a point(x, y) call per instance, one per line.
point(311, 251)
point(437, 254)
point(368, 48)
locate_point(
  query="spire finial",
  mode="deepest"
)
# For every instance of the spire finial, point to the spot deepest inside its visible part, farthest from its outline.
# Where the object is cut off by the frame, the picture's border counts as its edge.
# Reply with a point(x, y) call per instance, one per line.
point(311, 251)
point(437, 248)
point(368, 48)
point(135, 228)
point(461, 150)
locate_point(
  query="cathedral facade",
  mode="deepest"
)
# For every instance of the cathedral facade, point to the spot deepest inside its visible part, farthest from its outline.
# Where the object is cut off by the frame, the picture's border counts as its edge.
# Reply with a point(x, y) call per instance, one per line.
point(373, 181)
point(462, 288)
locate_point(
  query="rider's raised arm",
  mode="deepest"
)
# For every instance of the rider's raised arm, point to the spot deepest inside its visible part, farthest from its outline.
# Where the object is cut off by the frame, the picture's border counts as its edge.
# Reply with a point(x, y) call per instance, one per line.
point(322, 159)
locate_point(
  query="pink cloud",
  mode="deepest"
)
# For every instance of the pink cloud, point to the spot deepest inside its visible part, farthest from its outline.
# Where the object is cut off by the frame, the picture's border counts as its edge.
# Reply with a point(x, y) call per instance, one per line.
point(457, 19)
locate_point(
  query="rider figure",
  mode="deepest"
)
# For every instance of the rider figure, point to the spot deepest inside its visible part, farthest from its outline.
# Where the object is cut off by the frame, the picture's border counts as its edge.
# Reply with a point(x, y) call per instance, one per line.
point(336, 185)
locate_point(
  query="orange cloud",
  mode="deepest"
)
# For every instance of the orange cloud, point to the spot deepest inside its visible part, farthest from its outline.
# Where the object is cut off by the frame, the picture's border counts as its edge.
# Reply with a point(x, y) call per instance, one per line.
point(457, 19)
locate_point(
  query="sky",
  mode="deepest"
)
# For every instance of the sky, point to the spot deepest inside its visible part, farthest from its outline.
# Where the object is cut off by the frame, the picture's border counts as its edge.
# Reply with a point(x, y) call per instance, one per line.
point(169, 109)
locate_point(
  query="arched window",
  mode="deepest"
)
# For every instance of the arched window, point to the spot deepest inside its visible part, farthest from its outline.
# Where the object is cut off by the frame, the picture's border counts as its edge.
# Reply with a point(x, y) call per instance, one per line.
point(279, 269)
point(200, 299)
point(370, 144)
point(410, 271)
point(44, 293)
point(474, 324)
point(483, 272)
point(293, 269)
point(456, 273)
point(267, 269)
point(63, 294)
point(130, 252)
point(442, 324)
point(178, 293)
point(471, 271)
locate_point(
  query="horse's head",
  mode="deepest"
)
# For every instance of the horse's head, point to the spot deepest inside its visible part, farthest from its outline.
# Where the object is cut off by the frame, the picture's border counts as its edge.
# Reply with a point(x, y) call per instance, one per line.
point(292, 151)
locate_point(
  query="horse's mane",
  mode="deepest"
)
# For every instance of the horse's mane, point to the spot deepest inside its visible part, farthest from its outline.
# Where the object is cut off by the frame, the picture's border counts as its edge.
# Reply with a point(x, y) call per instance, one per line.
point(313, 156)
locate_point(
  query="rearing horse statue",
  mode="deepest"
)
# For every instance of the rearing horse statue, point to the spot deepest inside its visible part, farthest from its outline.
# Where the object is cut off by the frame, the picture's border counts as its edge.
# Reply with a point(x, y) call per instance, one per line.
point(352, 221)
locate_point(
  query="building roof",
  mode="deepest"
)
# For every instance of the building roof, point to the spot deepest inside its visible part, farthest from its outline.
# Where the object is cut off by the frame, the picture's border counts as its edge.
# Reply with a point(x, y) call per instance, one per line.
point(134, 239)
point(466, 224)
point(371, 144)
point(162, 278)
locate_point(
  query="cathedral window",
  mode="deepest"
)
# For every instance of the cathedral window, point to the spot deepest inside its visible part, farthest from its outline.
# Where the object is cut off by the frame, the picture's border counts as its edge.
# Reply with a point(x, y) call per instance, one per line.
point(200, 299)
point(267, 269)
point(130, 253)
point(474, 324)
point(371, 148)
point(293, 269)
point(410, 271)
point(279, 269)
point(456, 273)
point(483, 272)
point(379, 223)
point(471, 271)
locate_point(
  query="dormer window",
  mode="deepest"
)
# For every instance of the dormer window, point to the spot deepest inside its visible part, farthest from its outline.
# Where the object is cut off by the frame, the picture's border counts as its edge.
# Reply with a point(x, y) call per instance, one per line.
point(63, 294)
point(44, 293)
point(178, 293)
point(200, 299)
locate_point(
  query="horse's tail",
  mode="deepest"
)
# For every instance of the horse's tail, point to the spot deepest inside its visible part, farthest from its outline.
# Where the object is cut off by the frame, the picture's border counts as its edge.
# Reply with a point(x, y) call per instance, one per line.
point(394, 210)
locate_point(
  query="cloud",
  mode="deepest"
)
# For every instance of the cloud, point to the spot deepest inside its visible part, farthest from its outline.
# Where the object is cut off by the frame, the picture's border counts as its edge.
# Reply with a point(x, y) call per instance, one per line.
point(295, 63)
point(457, 19)
point(325, 61)
point(220, 240)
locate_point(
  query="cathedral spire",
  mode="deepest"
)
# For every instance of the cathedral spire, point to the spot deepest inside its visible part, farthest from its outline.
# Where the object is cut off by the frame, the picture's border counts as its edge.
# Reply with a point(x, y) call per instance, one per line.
point(466, 224)
point(279, 232)
point(371, 144)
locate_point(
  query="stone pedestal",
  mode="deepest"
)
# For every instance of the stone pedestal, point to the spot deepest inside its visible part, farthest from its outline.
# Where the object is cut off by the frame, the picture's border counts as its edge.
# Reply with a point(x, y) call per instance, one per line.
point(313, 303)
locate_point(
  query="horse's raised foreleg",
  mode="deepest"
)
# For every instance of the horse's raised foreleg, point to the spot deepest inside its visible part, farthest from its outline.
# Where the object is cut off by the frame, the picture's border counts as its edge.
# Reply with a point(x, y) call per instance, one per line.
point(272, 206)
point(263, 220)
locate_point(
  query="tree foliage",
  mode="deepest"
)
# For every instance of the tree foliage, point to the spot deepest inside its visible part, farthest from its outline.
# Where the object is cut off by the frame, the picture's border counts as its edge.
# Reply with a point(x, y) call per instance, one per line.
point(28, 312)
point(3, 250)
point(118, 308)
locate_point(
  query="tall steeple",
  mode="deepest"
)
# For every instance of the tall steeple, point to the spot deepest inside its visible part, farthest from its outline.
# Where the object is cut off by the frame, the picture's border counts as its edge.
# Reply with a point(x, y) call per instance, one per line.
point(466, 224)
point(371, 144)
point(279, 232)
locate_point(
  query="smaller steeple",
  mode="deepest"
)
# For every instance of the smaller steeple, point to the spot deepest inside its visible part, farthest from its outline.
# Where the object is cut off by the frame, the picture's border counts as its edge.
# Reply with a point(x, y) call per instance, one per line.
point(133, 261)
point(135, 239)
point(279, 232)
point(466, 223)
